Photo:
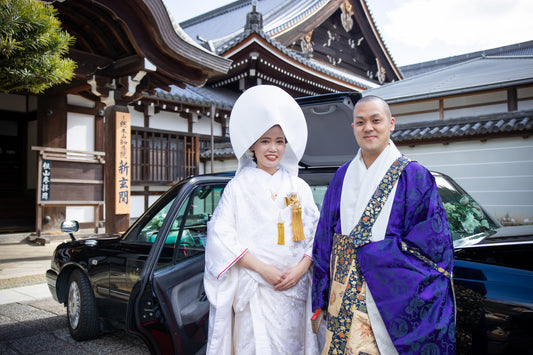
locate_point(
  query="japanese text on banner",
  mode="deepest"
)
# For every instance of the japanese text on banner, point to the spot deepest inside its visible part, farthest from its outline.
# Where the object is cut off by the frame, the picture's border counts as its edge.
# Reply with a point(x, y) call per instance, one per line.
point(122, 163)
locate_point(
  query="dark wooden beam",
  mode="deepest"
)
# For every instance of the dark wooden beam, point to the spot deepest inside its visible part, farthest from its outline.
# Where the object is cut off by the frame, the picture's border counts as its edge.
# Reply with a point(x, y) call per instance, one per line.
point(88, 63)
point(512, 99)
point(287, 37)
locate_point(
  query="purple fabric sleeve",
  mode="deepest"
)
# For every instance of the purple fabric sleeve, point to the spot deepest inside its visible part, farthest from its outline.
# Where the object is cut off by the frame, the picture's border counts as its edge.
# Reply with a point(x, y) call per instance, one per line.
point(414, 299)
point(328, 224)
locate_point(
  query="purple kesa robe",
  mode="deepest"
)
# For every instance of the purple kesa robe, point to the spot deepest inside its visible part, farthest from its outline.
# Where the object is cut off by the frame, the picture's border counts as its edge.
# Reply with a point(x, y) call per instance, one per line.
point(408, 272)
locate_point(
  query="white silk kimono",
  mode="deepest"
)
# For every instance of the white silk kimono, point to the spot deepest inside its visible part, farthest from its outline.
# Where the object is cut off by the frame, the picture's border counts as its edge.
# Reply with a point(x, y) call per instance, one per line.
point(247, 316)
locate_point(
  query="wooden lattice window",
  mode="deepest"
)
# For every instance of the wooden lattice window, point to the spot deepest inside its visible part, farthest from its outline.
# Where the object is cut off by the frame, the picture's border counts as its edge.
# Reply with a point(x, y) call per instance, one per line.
point(160, 157)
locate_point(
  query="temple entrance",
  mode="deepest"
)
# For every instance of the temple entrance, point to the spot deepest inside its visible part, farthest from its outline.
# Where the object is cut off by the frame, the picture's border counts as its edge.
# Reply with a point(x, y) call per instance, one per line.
point(17, 201)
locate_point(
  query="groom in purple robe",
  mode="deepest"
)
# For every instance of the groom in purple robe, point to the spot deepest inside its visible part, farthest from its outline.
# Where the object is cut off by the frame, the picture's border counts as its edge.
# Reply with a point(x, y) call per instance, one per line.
point(383, 252)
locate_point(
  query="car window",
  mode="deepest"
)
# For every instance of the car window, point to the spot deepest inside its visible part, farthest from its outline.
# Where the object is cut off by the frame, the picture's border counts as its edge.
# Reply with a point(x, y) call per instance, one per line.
point(149, 231)
point(319, 191)
point(197, 214)
point(469, 222)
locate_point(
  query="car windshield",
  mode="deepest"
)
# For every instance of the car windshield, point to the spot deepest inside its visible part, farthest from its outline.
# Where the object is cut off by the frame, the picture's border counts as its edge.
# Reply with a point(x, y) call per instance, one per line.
point(469, 222)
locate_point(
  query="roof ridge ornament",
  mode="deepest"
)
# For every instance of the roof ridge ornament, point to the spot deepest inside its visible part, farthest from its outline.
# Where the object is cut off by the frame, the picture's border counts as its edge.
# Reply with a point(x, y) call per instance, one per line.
point(254, 19)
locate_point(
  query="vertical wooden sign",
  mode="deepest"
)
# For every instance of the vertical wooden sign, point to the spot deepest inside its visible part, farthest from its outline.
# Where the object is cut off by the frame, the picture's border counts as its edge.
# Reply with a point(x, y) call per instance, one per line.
point(46, 173)
point(122, 163)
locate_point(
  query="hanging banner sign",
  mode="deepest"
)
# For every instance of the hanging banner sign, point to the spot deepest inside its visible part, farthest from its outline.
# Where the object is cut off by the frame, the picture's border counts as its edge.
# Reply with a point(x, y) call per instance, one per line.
point(122, 163)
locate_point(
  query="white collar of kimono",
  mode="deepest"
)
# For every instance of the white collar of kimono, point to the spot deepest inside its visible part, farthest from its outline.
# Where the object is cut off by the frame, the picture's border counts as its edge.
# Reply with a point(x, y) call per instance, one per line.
point(255, 112)
point(358, 187)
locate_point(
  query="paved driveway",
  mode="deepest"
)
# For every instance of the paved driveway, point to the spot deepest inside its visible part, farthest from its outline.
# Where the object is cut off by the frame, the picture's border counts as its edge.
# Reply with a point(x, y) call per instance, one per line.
point(40, 327)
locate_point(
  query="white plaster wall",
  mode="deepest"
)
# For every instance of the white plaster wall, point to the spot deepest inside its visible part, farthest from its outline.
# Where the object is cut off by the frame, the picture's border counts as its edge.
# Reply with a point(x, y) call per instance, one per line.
point(168, 121)
point(418, 106)
point(137, 204)
point(137, 118)
point(525, 105)
point(80, 131)
point(477, 99)
point(421, 117)
point(486, 101)
point(80, 136)
point(498, 173)
point(203, 126)
point(474, 111)
point(77, 100)
point(491, 102)
point(218, 166)
point(525, 98)
point(524, 92)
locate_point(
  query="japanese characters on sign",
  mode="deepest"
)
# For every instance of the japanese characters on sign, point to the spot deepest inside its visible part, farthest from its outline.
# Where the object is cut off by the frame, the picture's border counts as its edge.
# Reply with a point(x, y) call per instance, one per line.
point(122, 163)
point(46, 172)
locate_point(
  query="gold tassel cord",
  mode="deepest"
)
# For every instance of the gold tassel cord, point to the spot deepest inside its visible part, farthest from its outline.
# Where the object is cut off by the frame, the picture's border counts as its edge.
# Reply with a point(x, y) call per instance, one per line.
point(281, 230)
point(297, 225)
point(281, 233)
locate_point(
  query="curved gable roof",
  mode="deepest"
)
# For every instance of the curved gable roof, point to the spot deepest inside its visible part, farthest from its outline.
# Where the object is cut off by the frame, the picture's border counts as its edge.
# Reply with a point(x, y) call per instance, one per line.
point(121, 38)
point(289, 21)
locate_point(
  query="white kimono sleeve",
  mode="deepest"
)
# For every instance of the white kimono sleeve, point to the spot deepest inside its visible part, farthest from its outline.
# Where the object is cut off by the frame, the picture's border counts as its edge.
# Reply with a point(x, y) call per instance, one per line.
point(222, 248)
point(310, 215)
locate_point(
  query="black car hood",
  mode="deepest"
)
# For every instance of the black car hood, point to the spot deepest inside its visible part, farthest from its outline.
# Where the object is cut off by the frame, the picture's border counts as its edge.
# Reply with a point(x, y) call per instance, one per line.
point(514, 234)
point(330, 139)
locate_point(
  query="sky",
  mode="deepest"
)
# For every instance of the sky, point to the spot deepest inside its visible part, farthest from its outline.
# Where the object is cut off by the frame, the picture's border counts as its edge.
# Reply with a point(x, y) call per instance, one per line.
point(416, 31)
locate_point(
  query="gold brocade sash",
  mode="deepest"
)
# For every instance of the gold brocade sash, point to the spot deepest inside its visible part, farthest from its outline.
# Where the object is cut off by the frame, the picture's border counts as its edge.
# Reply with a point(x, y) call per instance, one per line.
point(347, 302)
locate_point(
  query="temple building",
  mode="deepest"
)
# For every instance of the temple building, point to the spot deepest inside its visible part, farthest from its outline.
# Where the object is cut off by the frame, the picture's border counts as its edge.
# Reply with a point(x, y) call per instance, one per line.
point(172, 85)
point(151, 99)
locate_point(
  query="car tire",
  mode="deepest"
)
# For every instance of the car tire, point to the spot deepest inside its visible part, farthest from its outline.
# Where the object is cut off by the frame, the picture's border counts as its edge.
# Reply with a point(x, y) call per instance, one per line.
point(81, 308)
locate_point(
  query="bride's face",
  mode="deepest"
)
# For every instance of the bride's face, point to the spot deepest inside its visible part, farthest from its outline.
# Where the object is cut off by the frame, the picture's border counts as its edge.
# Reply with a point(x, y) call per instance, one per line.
point(269, 149)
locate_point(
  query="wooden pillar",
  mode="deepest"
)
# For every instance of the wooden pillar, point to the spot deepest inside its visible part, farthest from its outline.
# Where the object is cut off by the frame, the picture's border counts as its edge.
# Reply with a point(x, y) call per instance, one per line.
point(512, 99)
point(114, 222)
point(51, 132)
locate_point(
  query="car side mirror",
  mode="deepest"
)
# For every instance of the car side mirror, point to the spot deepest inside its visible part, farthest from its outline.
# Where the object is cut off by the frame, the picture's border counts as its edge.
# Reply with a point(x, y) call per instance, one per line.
point(70, 226)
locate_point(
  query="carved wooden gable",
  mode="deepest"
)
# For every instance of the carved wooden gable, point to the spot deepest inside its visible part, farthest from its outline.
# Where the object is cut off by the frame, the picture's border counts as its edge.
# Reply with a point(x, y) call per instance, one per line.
point(340, 42)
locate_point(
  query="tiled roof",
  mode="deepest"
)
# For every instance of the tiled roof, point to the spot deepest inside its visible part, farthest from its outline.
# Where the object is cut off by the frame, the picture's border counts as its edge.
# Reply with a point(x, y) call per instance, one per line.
point(518, 49)
point(223, 29)
point(204, 96)
point(221, 151)
point(520, 122)
point(507, 123)
point(483, 73)
point(313, 64)
point(221, 24)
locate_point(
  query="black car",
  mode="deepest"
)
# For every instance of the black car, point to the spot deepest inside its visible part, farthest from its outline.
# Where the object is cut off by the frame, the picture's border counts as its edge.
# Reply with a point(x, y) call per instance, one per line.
point(149, 280)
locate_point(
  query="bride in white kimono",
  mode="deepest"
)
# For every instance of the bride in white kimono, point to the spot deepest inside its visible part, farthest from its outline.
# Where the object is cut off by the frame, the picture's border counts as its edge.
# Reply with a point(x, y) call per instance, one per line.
point(260, 238)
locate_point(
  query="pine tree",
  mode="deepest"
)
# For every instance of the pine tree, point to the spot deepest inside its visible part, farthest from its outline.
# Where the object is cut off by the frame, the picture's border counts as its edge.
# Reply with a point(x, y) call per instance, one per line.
point(32, 47)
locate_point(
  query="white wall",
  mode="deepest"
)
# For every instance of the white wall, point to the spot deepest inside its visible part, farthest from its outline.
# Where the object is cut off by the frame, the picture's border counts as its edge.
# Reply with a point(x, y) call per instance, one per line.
point(169, 121)
point(462, 106)
point(474, 111)
point(203, 126)
point(80, 136)
point(421, 117)
point(137, 204)
point(218, 166)
point(137, 118)
point(498, 173)
point(77, 100)
point(525, 98)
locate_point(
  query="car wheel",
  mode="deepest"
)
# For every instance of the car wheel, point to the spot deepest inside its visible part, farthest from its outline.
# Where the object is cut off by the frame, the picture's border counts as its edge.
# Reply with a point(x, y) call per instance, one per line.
point(81, 308)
